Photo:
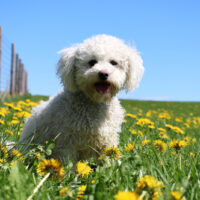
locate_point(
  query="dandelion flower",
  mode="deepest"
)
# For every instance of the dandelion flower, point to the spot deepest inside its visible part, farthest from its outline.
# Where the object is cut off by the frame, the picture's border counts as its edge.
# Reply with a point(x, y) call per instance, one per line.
point(162, 130)
point(112, 152)
point(83, 169)
point(9, 132)
point(144, 142)
point(131, 116)
point(1, 121)
point(17, 153)
point(3, 151)
point(144, 121)
point(160, 145)
point(191, 154)
point(81, 191)
point(129, 147)
point(149, 184)
point(175, 129)
point(53, 166)
point(177, 144)
point(65, 192)
point(176, 195)
point(133, 131)
point(121, 195)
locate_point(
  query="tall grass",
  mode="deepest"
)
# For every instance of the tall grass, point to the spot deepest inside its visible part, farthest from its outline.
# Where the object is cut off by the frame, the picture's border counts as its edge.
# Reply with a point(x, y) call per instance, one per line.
point(157, 158)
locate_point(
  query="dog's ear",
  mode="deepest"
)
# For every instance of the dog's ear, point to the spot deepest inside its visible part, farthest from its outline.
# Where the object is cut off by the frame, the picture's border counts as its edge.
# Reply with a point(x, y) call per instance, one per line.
point(66, 69)
point(135, 70)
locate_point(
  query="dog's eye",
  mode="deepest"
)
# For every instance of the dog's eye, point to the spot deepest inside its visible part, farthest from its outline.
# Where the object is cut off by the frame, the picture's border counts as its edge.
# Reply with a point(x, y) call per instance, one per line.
point(92, 62)
point(112, 62)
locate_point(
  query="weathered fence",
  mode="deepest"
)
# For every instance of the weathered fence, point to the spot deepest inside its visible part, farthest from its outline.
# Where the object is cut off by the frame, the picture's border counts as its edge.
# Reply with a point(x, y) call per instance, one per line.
point(13, 75)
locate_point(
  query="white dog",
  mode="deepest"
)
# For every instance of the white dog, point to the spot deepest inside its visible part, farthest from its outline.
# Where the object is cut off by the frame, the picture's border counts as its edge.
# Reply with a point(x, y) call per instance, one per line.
point(86, 116)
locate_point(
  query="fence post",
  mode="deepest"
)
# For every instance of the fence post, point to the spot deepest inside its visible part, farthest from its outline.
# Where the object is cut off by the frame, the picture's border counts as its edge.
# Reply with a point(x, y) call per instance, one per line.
point(0, 53)
point(21, 67)
point(12, 74)
point(23, 80)
point(26, 81)
point(17, 75)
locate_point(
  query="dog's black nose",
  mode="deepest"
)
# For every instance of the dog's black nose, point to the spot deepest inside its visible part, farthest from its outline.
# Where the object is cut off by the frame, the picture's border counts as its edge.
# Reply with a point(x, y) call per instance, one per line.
point(103, 76)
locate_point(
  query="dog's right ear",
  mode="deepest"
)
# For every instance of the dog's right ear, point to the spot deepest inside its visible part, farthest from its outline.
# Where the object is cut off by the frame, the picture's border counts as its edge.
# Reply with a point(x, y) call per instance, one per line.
point(66, 69)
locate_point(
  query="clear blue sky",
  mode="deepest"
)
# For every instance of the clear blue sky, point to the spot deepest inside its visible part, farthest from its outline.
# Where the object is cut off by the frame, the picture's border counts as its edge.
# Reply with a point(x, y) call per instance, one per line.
point(167, 33)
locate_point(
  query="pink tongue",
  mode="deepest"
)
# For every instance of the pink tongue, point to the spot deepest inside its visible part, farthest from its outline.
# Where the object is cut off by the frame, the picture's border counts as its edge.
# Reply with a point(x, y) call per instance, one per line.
point(102, 87)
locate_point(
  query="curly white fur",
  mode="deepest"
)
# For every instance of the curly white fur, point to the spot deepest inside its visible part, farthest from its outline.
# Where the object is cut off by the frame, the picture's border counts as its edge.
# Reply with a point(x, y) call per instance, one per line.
point(86, 116)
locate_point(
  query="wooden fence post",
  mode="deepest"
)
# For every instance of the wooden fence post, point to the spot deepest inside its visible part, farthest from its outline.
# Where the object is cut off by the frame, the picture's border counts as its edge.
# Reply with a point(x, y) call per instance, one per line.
point(12, 73)
point(23, 80)
point(21, 68)
point(26, 82)
point(17, 75)
point(0, 53)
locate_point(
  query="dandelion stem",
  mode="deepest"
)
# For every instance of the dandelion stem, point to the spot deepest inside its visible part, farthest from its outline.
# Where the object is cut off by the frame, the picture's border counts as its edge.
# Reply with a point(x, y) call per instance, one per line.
point(143, 194)
point(180, 161)
point(38, 186)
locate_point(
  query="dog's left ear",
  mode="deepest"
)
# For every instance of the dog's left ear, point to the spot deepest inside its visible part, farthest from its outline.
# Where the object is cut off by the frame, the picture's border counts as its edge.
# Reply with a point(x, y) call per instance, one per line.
point(66, 69)
point(135, 70)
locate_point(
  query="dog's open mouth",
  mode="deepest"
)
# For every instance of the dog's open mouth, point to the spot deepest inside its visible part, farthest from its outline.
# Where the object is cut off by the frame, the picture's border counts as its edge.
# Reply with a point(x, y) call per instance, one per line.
point(102, 87)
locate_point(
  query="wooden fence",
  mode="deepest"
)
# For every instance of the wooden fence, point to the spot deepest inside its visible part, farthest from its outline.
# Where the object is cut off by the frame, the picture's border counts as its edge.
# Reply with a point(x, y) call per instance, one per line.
point(13, 75)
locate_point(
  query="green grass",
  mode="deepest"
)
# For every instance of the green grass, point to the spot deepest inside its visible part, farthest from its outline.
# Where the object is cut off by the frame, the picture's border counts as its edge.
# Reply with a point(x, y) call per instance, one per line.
point(178, 170)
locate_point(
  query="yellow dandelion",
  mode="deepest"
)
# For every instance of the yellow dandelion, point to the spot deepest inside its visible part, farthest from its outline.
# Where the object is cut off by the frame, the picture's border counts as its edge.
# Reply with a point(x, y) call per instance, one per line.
point(144, 121)
point(164, 135)
point(191, 154)
point(81, 191)
point(173, 153)
point(9, 132)
point(187, 125)
point(23, 114)
point(121, 195)
point(134, 132)
point(51, 166)
point(112, 152)
point(83, 169)
point(149, 184)
point(9, 105)
point(151, 126)
point(3, 151)
point(38, 155)
point(1, 121)
point(162, 130)
point(129, 147)
point(13, 122)
point(17, 109)
point(176, 195)
point(141, 133)
point(16, 153)
point(177, 144)
point(65, 192)
point(1, 160)
point(187, 139)
point(164, 115)
point(144, 142)
point(175, 129)
point(160, 145)
point(93, 181)
point(131, 116)
point(179, 119)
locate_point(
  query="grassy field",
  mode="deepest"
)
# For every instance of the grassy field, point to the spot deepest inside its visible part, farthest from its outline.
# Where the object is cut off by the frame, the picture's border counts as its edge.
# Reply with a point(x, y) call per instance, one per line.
point(157, 158)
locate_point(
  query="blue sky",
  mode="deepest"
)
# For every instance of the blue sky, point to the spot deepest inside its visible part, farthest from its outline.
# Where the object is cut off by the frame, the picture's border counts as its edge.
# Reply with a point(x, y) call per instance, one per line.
point(167, 33)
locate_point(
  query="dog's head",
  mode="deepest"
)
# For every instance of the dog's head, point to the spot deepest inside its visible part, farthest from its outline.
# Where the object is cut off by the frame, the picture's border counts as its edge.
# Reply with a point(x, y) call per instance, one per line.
point(100, 67)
